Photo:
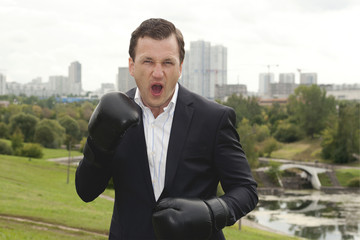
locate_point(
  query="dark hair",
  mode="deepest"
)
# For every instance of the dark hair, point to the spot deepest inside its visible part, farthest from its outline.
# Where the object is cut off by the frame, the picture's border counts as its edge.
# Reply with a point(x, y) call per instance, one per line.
point(158, 29)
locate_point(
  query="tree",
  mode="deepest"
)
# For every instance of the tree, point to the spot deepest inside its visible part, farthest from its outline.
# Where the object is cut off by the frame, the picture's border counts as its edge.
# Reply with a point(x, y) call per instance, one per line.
point(341, 141)
point(49, 133)
point(270, 145)
point(26, 123)
point(72, 130)
point(17, 141)
point(287, 132)
point(276, 114)
point(4, 132)
point(71, 126)
point(311, 108)
point(261, 132)
point(86, 110)
point(248, 108)
point(83, 127)
point(247, 140)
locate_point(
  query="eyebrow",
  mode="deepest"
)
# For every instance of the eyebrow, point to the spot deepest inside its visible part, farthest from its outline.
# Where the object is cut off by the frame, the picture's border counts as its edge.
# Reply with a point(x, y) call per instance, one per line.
point(173, 59)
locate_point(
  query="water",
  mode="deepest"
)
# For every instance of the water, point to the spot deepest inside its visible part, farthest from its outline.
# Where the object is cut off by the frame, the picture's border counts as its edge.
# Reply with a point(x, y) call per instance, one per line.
point(311, 214)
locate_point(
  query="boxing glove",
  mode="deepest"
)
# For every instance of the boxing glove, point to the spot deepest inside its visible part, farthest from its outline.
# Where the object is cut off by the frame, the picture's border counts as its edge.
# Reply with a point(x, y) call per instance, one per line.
point(178, 219)
point(114, 114)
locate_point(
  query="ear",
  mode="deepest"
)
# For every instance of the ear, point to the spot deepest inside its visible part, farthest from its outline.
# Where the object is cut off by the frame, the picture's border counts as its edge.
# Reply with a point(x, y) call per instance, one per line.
point(180, 71)
point(131, 66)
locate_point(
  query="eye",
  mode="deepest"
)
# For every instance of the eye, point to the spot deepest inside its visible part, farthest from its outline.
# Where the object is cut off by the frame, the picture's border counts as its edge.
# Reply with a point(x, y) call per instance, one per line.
point(168, 63)
point(147, 61)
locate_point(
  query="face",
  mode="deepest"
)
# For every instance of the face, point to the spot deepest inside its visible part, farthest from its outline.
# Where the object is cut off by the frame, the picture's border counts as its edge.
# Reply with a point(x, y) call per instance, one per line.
point(156, 70)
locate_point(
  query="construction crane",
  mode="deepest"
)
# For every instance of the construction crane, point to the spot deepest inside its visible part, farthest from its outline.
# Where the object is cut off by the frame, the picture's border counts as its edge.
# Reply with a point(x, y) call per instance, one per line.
point(271, 65)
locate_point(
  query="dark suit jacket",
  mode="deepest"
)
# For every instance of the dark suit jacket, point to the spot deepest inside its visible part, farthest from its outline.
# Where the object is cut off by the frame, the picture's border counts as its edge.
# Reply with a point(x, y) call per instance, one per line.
point(203, 149)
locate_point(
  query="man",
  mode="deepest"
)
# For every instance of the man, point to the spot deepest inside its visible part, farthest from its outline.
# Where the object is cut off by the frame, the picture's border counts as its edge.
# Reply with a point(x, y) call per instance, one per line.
point(166, 149)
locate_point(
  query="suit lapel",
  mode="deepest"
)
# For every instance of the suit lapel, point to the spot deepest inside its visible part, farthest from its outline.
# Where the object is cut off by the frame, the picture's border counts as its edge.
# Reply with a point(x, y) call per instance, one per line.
point(179, 131)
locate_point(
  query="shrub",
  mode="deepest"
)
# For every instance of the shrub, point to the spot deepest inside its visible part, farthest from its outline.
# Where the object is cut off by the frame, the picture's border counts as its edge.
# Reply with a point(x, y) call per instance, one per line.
point(270, 145)
point(17, 141)
point(4, 130)
point(354, 182)
point(33, 150)
point(5, 148)
point(288, 132)
point(274, 172)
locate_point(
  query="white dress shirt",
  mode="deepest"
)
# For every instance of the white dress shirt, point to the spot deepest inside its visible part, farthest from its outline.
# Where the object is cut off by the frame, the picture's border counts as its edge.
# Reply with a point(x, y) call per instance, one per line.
point(157, 135)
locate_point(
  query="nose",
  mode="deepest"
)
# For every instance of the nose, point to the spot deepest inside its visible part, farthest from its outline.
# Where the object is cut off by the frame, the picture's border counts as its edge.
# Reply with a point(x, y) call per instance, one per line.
point(158, 71)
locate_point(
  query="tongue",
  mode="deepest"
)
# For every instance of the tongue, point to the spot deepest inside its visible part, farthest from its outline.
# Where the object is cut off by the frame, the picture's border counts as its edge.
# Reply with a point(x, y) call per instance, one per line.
point(156, 89)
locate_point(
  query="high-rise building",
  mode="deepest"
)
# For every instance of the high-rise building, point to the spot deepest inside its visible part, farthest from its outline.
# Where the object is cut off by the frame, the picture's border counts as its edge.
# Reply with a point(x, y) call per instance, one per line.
point(224, 91)
point(265, 79)
point(58, 85)
point(308, 78)
point(36, 88)
point(14, 88)
point(75, 86)
point(107, 87)
point(204, 67)
point(2, 84)
point(218, 65)
point(125, 81)
point(287, 78)
point(282, 89)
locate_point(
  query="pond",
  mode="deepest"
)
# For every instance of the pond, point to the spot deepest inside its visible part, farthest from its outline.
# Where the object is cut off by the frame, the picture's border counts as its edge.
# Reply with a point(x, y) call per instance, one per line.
point(311, 214)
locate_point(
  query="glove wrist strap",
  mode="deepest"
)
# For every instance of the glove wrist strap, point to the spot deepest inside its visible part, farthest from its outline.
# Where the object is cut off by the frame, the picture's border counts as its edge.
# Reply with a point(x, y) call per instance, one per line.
point(220, 212)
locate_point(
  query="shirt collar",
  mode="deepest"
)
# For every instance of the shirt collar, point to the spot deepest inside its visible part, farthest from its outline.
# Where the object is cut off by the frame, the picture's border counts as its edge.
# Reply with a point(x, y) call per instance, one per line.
point(171, 104)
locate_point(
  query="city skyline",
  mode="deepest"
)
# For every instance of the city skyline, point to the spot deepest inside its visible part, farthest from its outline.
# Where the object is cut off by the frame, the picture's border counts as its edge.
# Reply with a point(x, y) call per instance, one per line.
point(314, 36)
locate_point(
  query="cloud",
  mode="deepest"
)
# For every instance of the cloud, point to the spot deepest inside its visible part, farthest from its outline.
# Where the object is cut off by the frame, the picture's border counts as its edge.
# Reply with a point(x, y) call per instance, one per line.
point(43, 37)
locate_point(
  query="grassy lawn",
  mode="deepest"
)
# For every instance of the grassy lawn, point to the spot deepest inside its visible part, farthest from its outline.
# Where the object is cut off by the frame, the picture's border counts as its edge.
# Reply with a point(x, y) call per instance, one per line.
point(346, 174)
point(37, 190)
point(26, 231)
point(305, 150)
point(324, 180)
point(58, 153)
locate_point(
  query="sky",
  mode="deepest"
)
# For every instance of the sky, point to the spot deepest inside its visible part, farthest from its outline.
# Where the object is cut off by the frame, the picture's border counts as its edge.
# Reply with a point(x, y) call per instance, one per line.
point(40, 38)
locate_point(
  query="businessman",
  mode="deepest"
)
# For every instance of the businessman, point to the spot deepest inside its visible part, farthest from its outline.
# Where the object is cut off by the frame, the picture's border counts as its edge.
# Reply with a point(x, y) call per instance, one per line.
point(166, 148)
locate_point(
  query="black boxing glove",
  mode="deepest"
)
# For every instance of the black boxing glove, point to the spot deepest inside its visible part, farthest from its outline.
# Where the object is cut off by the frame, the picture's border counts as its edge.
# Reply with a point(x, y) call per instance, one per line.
point(114, 114)
point(179, 219)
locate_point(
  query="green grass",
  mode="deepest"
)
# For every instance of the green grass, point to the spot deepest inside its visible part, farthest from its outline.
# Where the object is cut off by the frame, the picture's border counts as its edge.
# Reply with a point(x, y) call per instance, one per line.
point(37, 190)
point(22, 230)
point(324, 180)
point(346, 174)
point(289, 150)
point(305, 150)
point(57, 153)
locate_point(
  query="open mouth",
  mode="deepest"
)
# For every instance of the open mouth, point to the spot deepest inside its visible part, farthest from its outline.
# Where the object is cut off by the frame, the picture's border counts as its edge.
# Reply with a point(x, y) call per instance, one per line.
point(156, 89)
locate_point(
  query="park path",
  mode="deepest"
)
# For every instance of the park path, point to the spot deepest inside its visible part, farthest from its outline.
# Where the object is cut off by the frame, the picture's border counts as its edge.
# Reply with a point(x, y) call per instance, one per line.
point(47, 226)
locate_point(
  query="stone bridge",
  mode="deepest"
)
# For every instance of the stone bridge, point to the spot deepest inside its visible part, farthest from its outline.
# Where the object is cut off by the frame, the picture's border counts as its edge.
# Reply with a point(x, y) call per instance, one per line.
point(312, 172)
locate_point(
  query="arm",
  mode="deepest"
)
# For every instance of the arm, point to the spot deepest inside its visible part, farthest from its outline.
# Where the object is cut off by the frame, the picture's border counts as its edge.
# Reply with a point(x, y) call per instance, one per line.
point(114, 114)
point(234, 170)
point(92, 176)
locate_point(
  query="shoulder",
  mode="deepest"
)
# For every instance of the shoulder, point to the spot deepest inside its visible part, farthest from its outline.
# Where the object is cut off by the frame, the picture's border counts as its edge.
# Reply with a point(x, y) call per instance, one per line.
point(200, 103)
